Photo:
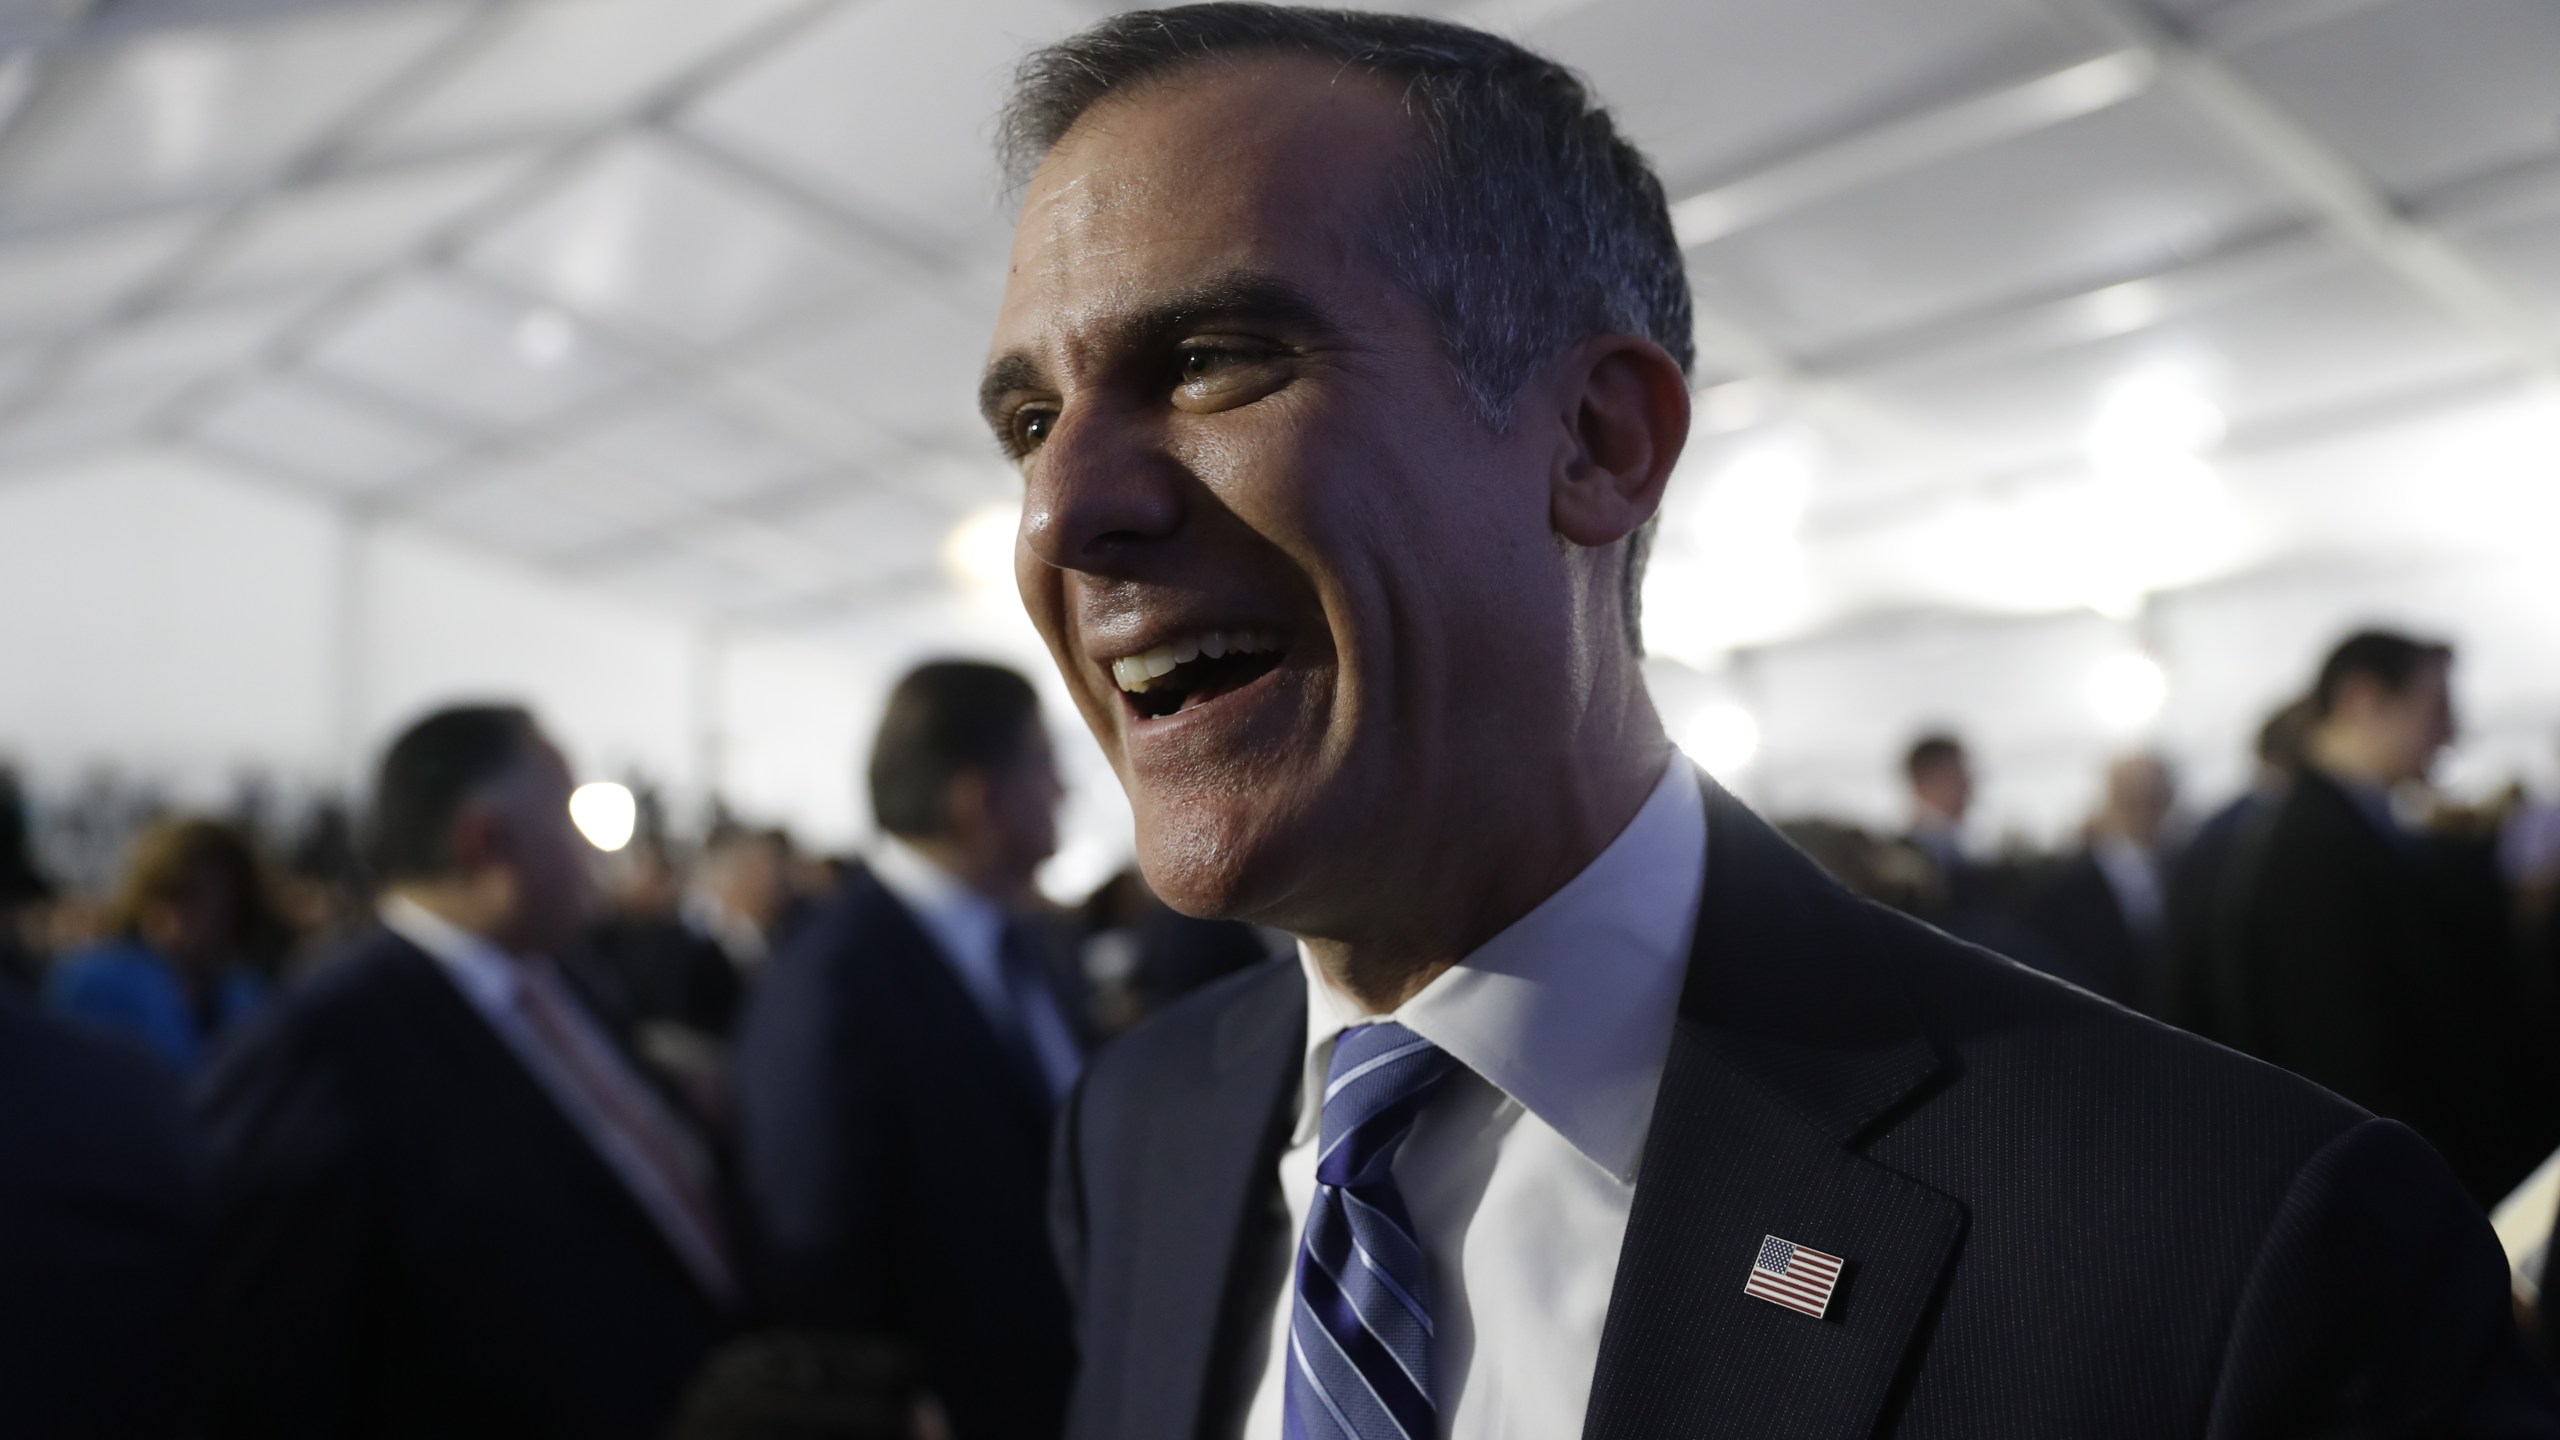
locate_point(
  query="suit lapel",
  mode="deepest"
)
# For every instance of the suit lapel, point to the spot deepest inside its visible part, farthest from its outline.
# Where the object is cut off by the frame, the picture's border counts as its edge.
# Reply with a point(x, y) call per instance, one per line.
point(1210, 1162)
point(1793, 1047)
point(483, 1065)
point(947, 1008)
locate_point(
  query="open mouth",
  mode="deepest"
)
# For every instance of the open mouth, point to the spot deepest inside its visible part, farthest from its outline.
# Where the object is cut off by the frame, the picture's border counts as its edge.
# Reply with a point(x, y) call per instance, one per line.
point(1195, 670)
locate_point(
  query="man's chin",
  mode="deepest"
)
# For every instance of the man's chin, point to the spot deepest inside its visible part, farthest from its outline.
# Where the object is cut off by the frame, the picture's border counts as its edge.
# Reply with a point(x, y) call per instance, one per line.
point(1211, 869)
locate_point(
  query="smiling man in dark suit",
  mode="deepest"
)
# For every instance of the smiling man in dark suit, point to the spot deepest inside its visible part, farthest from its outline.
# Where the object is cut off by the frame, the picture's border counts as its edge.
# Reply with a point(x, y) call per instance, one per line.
point(448, 1201)
point(1344, 359)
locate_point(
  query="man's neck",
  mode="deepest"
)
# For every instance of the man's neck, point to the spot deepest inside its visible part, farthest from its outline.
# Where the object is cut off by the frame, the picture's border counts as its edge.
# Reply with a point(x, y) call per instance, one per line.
point(1526, 850)
point(970, 872)
point(459, 905)
point(2342, 754)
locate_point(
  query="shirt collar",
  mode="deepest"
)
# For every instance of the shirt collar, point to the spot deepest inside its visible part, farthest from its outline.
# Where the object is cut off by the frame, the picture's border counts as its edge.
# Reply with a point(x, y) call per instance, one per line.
point(933, 894)
point(485, 973)
point(1569, 1011)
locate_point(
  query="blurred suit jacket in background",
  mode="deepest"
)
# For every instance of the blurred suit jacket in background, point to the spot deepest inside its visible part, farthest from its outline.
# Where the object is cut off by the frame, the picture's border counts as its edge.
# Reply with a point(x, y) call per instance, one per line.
point(895, 1153)
point(2382, 964)
point(102, 1236)
point(415, 1239)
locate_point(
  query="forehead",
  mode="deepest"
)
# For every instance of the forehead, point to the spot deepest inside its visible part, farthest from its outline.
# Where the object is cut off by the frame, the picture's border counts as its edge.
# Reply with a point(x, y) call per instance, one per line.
point(1271, 164)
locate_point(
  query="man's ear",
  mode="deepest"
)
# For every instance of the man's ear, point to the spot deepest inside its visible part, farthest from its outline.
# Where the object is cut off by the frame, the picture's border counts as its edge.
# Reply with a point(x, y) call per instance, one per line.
point(965, 803)
point(1625, 407)
point(481, 838)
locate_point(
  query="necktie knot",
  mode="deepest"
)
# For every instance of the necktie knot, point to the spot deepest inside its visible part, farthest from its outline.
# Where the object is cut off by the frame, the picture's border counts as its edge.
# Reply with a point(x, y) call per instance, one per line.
point(1381, 1077)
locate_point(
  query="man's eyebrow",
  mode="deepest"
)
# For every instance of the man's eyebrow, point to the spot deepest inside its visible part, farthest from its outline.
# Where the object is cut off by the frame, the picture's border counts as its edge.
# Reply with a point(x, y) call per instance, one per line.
point(1247, 297)
point(1010, 371)
point(1244, 297)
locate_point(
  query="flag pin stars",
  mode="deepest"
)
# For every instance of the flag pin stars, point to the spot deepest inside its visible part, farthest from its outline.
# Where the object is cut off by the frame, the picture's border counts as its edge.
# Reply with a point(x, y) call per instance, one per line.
point(1789, 1274)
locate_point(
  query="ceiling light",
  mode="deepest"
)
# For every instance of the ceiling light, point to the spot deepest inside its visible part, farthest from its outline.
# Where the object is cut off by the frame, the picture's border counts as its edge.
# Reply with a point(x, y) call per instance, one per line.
point(605, 813)
point(2127, 690)
point(978, 553)
point(2153, 416)
point(1722, 736)
point(544, 338)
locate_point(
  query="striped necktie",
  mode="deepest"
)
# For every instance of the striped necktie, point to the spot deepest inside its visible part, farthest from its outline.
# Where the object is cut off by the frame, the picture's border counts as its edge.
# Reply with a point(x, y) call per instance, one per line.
point(1360, 1330)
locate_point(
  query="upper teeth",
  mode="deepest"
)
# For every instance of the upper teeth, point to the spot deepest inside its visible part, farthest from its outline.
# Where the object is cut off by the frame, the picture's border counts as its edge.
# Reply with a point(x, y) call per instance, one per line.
point(1136, 672)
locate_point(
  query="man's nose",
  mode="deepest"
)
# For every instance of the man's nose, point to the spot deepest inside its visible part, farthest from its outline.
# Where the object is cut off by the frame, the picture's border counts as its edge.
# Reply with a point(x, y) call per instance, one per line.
point(1099, 492)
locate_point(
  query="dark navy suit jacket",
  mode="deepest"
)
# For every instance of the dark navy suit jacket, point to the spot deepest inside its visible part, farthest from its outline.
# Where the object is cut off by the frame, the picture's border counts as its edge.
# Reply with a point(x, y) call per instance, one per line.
point(414, 1240)
point(2060, 1219)
point(102, 1243)
point(896, 1162)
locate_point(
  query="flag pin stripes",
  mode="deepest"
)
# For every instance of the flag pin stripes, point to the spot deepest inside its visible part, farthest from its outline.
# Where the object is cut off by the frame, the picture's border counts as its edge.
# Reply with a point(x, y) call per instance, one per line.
point(1789, 1274)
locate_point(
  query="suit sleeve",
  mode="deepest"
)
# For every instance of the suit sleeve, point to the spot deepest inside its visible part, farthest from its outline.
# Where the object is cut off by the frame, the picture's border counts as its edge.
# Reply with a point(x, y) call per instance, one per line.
point(2377, 1306)
point(814, 1117)
point(293, 1227)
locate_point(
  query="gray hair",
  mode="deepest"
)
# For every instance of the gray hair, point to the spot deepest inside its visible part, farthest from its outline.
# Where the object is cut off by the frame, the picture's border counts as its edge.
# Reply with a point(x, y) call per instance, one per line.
point(1527, 224)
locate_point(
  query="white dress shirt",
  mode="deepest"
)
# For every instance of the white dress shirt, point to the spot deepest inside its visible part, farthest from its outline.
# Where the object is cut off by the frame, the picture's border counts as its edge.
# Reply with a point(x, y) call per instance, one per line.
point(2133, 872)
point(494, 983)
point(1520, 1171)
point(968, 928)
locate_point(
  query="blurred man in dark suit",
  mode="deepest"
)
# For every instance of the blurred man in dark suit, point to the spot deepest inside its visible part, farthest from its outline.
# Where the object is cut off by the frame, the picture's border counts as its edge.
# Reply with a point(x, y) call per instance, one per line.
point(2204, 866)
point(1940, 774)
point(898, 1067)
point(102, 1236)
point(1344, 361)
point(2363, 955)
point(450, 1202)
point(1970, 898)
point(2102, 912)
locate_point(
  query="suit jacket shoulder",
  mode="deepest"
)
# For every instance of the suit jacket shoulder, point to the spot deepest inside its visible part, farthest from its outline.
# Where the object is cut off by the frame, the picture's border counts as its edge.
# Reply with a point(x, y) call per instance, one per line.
point(2060, 1218)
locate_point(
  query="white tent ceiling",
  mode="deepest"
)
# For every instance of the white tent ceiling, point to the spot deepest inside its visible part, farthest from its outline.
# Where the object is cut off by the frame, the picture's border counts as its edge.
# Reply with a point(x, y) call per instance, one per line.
point(685, 299)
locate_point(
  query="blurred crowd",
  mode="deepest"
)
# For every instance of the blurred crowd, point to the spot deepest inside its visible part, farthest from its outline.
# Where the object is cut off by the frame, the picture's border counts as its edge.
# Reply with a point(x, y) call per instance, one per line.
point(2341, 917)
point(799, 1188)
point(288, 1185)
point(193, 920)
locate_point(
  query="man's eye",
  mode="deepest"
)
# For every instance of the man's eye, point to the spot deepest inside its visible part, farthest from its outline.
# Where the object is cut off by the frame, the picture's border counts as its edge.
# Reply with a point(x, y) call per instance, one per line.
point(1225, 375)
point(1030, 427)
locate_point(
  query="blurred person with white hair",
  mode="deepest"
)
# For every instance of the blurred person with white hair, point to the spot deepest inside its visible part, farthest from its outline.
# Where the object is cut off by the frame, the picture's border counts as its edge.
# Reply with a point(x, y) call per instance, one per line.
point(2103, 911)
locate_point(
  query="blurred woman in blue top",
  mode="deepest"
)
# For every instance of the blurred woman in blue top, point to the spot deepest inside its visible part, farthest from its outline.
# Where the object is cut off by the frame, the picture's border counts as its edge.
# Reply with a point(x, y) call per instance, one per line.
point(198, 932)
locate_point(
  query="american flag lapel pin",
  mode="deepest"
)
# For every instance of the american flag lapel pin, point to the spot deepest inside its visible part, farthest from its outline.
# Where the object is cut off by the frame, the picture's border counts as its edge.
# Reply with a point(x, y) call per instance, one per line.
point(1788, 1274)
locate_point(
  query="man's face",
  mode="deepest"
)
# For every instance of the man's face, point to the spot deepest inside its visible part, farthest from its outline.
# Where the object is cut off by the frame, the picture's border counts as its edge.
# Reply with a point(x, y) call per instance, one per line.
point(1945, 787)
point(1240, 440)
point(1022, 804)
point(2416, 723)
point(550, 860)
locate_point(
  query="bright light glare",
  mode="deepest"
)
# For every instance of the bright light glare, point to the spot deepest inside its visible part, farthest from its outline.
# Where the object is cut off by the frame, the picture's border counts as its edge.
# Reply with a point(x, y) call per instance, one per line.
point(2153, 416)
point(1736, 572)
point(978, 552)
point(1721, 736)
point(2127, 690)
point(1758, 500)
point(605, 813)
point(544, 338)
